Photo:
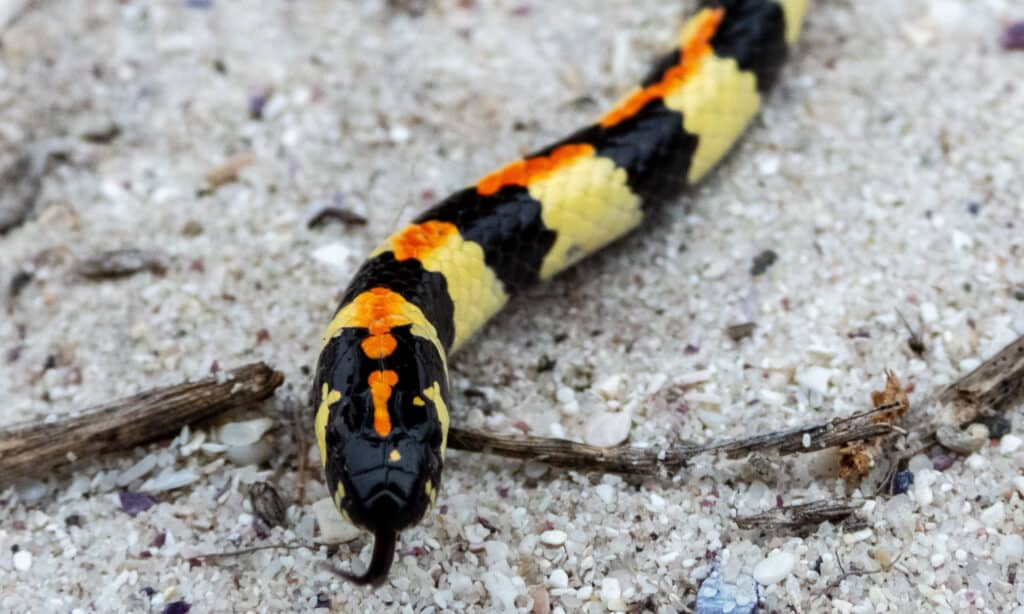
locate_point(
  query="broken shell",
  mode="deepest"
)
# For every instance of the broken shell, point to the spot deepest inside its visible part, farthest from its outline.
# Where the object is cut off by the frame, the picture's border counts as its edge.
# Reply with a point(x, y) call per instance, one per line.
point(244, 432)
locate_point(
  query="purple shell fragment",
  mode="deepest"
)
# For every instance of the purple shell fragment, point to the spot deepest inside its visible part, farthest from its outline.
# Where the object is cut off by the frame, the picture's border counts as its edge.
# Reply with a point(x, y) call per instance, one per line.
point(134, 503)
point(1013, 37)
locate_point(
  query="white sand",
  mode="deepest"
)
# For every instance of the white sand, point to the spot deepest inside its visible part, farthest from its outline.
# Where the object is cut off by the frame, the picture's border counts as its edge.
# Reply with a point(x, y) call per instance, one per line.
point(891, 120)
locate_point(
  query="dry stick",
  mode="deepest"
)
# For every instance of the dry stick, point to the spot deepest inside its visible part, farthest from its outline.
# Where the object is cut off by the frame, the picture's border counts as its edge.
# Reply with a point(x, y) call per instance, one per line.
point(801, 514)
point(643, 460)
point(992, 386)
point(989, 389)
point(32, 446)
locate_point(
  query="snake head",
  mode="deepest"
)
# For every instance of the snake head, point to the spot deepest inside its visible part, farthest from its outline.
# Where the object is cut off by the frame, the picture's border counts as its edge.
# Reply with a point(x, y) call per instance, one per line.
point(381, 426)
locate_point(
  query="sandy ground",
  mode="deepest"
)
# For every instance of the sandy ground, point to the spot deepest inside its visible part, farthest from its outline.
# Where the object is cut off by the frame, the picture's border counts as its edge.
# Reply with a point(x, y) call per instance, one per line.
point(885, 173)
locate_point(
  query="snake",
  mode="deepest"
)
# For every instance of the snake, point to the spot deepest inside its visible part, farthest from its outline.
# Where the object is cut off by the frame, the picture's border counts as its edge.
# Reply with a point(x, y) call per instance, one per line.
point(380, 387)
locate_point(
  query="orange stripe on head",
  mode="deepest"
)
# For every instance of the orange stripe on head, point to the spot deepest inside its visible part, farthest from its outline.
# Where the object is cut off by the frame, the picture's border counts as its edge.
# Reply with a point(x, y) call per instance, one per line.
point(522, 172)
point(381, 383)
point(694, 48)
point(379, 310)
point(379, 346)
point(418, 240)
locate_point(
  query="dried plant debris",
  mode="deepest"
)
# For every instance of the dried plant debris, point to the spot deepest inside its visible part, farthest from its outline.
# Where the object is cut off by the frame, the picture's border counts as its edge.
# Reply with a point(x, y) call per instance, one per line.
point(267, 504)
point(914, 342)
point(121, 263)
point(762, 262)
point(18, 282)
point(738, 332)
point(320, 212)
point(996, 384)
point(228, 171)
point(890, 405)
point(20, 184)
point(802, 515)
point(32, 446)
point(99, 130)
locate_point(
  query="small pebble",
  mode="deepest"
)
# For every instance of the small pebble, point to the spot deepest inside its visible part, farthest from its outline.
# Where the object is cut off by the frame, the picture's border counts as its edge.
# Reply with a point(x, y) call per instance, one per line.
point(244, 432)
point(335, 255)
point(170, 480)
point(558, 579)
point(606, 492)
point(994, 515)
point(774, 568)
point(1012, 547)
point(966, 441)
point(22, 560)
point(1009, 444)
point(476, 533)
point(814, 378)
point(553, 537)
point(334, 529)
point(541, 600)
point(607, 429)
point(611, 594)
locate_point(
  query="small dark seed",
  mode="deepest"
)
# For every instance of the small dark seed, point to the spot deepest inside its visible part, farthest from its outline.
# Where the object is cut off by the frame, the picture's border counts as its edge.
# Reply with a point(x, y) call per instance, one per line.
point(737, 332)
point(546, 363)
point(763, 261)
point(19, 281)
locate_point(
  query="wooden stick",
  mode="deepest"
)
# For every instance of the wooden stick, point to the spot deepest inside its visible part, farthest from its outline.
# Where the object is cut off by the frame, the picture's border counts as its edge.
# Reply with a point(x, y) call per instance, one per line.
point(162, 412)
point(646, 460)
point(994, 385)
point(991, 387)
point(33, 446)
point(801, 515)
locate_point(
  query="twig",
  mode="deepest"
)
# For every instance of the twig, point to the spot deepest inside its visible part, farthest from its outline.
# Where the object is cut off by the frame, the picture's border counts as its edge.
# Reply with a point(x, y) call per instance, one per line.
point(572, 455)
point(987, 390)
point(834, 584)
point(990, 387)
point(993, 386)
point(644, 460)
point(32, 446)
point(801, 515)
point(223, 555)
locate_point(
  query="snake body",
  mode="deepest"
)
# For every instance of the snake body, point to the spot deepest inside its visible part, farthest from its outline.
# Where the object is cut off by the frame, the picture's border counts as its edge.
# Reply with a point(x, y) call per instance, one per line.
point(381, 382)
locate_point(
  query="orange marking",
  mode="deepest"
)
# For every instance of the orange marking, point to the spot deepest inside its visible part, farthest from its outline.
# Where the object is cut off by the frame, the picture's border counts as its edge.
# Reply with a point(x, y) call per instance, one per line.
point(522, 172)
point(696, 47)
point(418, 240)
point(381, 383)
point(379, 346)
point(379, 310)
